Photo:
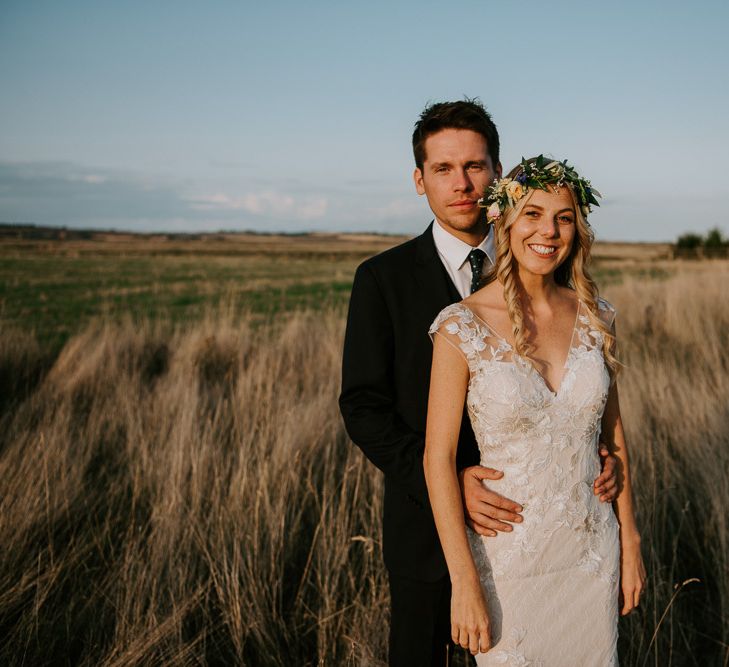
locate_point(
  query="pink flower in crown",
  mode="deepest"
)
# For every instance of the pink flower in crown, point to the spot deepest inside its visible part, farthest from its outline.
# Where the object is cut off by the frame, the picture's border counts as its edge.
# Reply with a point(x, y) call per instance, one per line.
point(493, 212)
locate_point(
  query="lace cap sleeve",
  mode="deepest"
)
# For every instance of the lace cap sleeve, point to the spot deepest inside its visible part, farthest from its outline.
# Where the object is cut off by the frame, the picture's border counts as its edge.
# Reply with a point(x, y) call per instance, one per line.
point(607, 312)
point(456, 324)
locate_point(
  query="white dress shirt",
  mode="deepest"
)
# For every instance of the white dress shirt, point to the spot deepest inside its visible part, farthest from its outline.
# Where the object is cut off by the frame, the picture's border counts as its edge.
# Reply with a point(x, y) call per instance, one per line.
point(454, 254)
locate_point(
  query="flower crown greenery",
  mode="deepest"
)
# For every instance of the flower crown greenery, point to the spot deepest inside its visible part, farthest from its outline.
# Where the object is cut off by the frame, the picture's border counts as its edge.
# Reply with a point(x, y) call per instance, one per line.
point(537, 174)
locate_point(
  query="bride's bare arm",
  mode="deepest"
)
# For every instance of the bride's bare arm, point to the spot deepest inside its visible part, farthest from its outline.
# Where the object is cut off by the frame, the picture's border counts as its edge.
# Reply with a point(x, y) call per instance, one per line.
point(448, 384)
point(632, 570)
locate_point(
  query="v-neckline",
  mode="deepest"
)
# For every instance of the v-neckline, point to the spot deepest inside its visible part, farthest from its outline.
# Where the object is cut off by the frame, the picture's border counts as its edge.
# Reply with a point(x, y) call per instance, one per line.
point(514, 353)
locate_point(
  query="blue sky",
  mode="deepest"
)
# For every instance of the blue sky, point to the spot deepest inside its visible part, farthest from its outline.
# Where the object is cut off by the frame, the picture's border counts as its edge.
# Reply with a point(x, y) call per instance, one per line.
point(297, 116)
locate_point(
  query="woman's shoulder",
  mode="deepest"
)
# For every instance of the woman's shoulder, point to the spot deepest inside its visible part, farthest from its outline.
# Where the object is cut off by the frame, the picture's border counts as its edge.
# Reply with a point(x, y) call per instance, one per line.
point(606, 311)
point(488, 300)
point(568, 297)
point(605, 305)
point(457, 314)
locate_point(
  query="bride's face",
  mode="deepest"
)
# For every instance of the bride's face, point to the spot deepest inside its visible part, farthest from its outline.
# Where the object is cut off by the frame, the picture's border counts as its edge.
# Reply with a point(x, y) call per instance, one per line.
point(541, 237)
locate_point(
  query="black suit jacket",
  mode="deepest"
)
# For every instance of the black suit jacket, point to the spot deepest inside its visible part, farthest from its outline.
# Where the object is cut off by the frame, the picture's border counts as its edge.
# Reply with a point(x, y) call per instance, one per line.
point(385, 381)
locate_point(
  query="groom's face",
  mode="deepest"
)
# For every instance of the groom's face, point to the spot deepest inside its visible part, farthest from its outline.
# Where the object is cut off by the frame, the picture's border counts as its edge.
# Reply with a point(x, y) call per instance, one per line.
point(456, 171)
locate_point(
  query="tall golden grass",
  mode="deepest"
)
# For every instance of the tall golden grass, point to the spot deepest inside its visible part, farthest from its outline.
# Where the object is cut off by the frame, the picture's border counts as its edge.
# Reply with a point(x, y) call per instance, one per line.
point(187, 495)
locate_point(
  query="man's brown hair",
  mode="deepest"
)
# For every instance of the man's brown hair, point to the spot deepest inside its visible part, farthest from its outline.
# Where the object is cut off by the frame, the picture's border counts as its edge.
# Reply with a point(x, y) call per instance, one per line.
point(463, 115)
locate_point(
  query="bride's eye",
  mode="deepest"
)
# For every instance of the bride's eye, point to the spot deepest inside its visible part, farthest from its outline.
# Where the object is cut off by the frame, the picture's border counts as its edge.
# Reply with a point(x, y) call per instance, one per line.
point(566, 219)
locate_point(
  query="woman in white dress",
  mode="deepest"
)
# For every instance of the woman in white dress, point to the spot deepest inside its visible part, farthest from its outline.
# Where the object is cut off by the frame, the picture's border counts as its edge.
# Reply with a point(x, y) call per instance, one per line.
point(531, 354)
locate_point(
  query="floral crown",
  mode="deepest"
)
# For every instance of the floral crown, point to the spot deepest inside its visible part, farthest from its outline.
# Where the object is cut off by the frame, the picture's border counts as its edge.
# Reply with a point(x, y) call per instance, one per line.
point(537, 174)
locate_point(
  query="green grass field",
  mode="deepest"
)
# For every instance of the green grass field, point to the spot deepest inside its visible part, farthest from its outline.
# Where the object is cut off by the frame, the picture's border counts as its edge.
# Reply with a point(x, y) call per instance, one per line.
point(54, 287)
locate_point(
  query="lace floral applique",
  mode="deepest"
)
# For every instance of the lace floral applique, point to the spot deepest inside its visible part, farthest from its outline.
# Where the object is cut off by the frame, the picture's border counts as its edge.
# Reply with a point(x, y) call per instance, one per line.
point(457, 324)
point(509, 653)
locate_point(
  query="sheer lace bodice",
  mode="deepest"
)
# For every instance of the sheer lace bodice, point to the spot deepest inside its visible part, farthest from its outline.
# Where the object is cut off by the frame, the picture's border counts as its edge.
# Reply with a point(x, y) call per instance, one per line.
point(546, 443)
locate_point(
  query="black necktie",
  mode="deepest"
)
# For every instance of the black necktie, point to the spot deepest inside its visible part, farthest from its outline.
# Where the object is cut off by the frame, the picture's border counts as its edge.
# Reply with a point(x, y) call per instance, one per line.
point(475, 259)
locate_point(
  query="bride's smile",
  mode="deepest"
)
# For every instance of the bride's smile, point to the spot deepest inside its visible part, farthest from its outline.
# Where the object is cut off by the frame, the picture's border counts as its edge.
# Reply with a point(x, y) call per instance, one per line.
point(541, 236)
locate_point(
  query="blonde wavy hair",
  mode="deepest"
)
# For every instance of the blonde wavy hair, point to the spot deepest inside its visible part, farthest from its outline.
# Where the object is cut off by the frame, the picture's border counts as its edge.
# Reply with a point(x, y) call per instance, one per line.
point(572, 272)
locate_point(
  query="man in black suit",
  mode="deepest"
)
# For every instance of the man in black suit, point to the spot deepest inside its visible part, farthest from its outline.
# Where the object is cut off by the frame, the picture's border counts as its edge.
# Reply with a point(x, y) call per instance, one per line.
point(386, 373)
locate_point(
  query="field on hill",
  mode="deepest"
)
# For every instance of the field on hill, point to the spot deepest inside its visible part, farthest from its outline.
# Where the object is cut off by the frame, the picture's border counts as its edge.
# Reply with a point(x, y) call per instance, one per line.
point(56, 285)
point(176, 487)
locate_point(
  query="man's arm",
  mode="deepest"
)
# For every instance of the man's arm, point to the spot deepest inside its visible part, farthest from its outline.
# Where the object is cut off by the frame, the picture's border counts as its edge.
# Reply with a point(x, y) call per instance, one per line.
point(367, 401)
point(487, 511)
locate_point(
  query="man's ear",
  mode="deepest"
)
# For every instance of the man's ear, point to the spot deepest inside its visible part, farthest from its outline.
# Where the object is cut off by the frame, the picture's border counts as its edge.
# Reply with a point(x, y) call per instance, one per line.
point(418, 179)
point(499, 170)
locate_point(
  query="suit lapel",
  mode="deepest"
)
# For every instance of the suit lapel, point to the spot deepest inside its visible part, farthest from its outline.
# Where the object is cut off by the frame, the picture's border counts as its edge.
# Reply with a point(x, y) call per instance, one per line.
point(438, 288)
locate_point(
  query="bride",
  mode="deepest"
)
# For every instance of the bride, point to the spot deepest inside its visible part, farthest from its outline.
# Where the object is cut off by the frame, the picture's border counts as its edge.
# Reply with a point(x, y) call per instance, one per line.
point(531, 354)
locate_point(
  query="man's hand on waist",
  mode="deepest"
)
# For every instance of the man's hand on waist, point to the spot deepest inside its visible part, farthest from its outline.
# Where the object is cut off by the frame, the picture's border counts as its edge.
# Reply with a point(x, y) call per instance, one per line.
point(486, 511)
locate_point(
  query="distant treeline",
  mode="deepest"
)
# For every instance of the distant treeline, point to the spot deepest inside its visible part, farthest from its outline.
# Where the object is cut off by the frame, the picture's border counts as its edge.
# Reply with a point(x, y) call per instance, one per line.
point(714, 244)
point(31, 231)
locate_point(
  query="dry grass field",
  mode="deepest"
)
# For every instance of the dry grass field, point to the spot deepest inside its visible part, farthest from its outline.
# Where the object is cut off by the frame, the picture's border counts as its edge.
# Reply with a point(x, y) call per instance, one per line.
point(176, 487)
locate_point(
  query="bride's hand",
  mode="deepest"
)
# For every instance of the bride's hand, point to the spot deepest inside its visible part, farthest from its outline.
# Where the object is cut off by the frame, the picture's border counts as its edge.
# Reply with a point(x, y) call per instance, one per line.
point(470, 624)
point(632, 574)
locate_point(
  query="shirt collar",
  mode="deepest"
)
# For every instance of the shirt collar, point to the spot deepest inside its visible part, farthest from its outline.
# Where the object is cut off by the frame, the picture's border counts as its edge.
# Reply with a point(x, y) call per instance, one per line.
point(456, 251)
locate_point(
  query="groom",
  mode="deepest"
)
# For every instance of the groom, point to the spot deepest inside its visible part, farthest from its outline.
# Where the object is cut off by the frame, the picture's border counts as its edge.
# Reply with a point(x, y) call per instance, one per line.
point(386, 373)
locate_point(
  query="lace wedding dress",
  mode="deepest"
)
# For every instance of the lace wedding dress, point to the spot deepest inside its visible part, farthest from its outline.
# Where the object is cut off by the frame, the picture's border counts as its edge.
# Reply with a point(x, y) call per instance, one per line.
point(551, 584)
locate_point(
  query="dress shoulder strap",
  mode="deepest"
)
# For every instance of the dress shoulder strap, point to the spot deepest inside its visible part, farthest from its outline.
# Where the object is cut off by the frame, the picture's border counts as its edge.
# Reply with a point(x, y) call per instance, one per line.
point(607, 311)
point(458, 325)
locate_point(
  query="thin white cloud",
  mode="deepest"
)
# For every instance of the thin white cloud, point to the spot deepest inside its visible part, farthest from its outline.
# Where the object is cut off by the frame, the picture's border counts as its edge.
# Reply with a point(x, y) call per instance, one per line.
point(92, 179)
point(402, 207)
point(314, 208)
point(266, 203)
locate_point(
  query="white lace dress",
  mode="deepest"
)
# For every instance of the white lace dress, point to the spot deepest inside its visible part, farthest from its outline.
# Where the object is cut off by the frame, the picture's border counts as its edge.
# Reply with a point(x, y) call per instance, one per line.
point(552, 583)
